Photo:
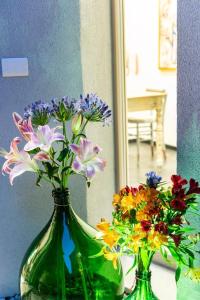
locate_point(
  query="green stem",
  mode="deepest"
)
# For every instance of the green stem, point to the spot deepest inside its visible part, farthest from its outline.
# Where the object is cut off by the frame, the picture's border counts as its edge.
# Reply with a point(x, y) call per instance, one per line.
point(83, 128)
point(48, 180)
point(64, 178)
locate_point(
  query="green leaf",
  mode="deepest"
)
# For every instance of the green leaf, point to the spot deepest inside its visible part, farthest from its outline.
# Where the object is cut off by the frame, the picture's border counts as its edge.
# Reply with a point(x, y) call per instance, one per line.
point(194, 206)
point(56, 179)
point(34, 151)
point(165, 255)
point(97, 255)
point(133, 218)
point(145, 258)
point(66, 169)
point(191, 262)
point(185, 229)
point(50, 169)
point(81, 135)
point(178, 273)
point(38, 179)
point(63, 154)
point(132, 267)
point(189, 252)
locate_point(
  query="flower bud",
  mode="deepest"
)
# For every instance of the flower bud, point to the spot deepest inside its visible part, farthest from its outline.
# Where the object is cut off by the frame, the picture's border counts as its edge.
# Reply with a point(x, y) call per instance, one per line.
point(76, 123)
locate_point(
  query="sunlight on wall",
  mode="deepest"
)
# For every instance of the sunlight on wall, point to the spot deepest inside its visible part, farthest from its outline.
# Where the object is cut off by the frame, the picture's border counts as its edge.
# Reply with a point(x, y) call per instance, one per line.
point(142, 38)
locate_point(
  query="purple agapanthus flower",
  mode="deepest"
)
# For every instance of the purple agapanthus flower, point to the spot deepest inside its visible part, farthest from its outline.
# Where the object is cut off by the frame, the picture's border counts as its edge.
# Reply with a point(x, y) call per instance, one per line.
point(153, 179)
point(95, 109)
point(39, 112)
point(65, 109)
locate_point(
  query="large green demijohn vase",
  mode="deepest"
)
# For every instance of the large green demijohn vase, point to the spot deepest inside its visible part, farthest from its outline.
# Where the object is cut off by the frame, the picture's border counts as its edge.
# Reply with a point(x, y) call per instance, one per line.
point(61, 263)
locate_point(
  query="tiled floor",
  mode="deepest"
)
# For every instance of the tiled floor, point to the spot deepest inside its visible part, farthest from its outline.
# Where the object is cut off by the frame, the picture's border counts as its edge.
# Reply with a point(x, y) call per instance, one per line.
point(137, 170)
point(163, 280)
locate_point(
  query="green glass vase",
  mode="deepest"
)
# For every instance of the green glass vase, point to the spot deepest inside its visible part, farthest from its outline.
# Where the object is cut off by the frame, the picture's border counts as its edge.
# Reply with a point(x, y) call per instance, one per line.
point(143, 289)
point(62, 264)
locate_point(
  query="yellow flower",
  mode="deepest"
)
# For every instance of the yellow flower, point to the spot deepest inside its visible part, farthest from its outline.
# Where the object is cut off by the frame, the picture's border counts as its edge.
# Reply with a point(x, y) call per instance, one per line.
point(136, 238)
point(116, 199)
point(194, 274)
point(142, 215)
point(139, 234)
point(156, 239)
point(134, 246)
point(127, 203)
point(112, 256)
point(111, 237)
point(103, 226)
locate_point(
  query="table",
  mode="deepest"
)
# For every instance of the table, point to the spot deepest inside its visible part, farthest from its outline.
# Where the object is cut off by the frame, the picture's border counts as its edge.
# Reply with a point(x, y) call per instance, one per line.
point(148, 100)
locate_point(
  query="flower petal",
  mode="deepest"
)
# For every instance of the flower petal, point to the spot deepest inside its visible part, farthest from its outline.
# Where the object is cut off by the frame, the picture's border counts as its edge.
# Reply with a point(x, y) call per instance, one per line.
point(41, 156)
point(77, 166)
point(90, 171)
point(24, 125)
point(74, 148)
point(19, 169)
point(31, 145)
point(13, 145)
point(3, 152)
point(57, 137)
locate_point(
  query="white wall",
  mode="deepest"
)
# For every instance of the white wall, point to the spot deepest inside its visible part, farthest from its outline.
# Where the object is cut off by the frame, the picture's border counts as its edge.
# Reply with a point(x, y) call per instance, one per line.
point(142, 37)
point(96, 57)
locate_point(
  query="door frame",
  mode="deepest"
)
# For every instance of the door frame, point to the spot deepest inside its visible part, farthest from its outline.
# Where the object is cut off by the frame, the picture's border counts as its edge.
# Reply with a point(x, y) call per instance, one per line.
point(119, 93)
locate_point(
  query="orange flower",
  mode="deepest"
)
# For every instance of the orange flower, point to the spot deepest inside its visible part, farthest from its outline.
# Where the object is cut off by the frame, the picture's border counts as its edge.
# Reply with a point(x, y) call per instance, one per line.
point(156, 239)
point(127, 202)
point(110, 238)
point(116, 199)
point(142, 215)
point(112, 256)
point(103, 226)
point(139, 233)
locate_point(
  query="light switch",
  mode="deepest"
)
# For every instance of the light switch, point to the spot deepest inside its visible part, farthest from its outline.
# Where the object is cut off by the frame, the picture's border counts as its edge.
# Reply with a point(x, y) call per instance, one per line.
point(14, 67)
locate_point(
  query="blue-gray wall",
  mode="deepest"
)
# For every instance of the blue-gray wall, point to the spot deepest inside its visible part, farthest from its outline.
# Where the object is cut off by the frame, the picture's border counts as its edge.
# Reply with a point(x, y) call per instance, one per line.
point(189, 111)
point(48, 33)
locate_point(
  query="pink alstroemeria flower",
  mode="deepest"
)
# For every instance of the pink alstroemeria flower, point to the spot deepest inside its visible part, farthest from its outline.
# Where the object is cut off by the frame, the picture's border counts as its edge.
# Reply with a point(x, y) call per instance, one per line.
point(20, 159)
point(86, 161)
point(43, 138)
point(24, 126)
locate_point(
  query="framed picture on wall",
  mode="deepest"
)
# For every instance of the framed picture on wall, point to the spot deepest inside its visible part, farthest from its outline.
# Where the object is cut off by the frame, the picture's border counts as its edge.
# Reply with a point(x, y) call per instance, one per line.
point(167, 34)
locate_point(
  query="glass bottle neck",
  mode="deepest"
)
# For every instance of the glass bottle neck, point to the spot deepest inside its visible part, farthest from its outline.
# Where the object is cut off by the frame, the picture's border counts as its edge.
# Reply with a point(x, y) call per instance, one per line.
point(143, 276)
point(61, 197)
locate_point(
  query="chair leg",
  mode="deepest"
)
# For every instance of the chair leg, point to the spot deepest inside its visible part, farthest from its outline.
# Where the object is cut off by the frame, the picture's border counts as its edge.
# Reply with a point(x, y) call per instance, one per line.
point(152, 141)
point(164, 152)
point(138, 142)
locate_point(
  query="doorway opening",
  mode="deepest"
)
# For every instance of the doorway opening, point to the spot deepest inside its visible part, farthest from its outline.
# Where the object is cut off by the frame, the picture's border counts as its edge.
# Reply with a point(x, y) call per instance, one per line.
point(150, 69)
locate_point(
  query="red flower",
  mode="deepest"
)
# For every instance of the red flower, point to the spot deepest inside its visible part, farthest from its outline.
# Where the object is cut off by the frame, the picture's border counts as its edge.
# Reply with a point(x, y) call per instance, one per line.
point(178, 183)
point(127, 189)
point(178, 204)
point(140, 188)
point(176, 238)
point(134, 191)
point(176, 220)
point(181, 194)
point(161, 227)
point(194, 187)
point(146, 225)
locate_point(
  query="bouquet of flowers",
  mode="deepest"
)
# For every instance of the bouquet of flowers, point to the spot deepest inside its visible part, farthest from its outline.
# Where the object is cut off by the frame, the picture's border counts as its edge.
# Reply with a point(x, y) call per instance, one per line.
point(153, 218)
point(55, 153)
